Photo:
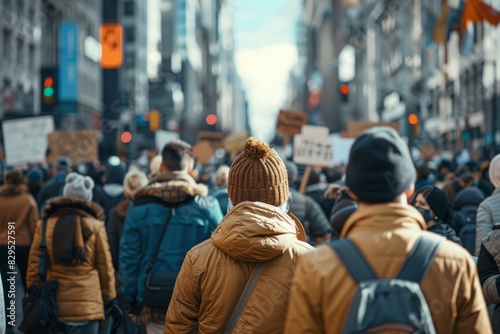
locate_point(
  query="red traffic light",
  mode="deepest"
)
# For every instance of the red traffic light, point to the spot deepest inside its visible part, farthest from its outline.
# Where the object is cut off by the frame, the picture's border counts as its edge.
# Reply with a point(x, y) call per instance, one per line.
point(126, 137)
point(344, 89)
point(211, 119)
point(413, 119)
point(48, 82)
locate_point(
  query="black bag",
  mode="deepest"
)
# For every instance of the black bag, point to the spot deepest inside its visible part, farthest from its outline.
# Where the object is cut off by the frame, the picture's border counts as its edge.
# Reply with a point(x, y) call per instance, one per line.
point(40, 307)
point(159, 286)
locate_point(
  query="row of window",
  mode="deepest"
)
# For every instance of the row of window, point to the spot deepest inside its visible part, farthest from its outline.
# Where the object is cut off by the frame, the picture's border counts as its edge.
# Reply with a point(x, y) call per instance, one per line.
point(20, 8)
point(17, 45)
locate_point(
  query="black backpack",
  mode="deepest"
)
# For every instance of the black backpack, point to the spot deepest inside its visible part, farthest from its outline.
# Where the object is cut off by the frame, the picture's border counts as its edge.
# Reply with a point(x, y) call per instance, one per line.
point(465, 204)
point(389, 305)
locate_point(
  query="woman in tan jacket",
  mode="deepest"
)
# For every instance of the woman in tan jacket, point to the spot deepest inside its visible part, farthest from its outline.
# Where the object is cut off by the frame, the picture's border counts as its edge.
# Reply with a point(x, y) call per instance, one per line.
point(18, 216)
point(80, 259)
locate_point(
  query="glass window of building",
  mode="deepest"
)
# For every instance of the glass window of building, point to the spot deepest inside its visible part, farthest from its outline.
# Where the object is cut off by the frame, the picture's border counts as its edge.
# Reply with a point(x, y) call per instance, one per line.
point(20, 7)
point(128, 8)
point(130, 60)
point(6, 45)
point(20, 51)
point(32, 59)
point(129, 34)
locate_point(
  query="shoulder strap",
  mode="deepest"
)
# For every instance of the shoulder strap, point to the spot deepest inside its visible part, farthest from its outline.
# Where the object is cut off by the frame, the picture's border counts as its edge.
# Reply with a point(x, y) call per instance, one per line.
point(158, 245)
point(353, 260)
point(420, 259)
point(245, 296)
point(42, 264)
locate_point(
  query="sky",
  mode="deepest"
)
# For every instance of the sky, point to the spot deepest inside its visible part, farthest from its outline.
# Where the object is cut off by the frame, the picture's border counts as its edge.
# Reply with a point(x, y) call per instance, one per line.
point(265, 53)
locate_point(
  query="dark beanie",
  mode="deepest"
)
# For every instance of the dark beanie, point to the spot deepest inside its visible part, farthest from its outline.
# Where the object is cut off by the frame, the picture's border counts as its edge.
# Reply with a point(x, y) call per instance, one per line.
point(438, 202)
point(380, 166)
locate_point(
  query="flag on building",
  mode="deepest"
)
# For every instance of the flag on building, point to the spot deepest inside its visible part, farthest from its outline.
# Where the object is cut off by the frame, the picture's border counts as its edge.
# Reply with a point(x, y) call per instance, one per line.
point(476, 11)
point(441, 27)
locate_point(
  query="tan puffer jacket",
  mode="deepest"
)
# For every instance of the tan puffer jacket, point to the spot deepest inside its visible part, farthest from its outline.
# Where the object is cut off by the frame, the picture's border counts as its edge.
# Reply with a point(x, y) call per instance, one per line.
point(215, 273)
point(81, 288)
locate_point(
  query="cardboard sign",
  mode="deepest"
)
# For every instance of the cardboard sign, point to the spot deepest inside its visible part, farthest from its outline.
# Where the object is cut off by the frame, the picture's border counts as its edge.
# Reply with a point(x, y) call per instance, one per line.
point(291, 121)
point(236, 141)
point(203, 151)
point(354, 129)
point(312, 147)
point(25, 139)
point(215, 138)
point(78, 146)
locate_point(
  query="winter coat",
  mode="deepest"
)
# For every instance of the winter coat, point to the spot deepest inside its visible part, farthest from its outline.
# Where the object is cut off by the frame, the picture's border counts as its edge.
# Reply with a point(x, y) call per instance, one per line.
point(192, 222)
point(215, 273)
point(114, 195)
point(223, 197)
point(82, 289)
point(488, 214)
point(446, 231)
point(323, 290)
point(52, 188)
point(114, 228)
point(309, 213)
point(316, 192)
point(19, 207)
point(488, 266)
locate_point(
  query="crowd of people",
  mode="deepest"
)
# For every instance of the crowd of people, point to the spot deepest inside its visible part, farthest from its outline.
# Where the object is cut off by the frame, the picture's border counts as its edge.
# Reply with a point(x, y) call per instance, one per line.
point(170, 249)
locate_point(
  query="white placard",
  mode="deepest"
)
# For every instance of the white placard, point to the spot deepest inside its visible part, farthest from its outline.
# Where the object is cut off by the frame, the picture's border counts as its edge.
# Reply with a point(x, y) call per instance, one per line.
point(163, 137)
point(341, 150)
point(25, 139)
point(314, 131)
point(313, 151)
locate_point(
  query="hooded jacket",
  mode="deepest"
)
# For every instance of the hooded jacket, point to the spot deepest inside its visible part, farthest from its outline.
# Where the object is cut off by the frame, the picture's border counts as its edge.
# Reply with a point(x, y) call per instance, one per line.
point(194, 217)
point(19, 207)
point(82, 289)
point(215, 273)
point(488, 214)
point(322, 289)
point(488, 266)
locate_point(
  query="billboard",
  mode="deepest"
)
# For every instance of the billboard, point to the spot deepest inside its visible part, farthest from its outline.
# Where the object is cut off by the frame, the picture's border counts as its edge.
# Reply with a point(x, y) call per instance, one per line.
point(68, 67)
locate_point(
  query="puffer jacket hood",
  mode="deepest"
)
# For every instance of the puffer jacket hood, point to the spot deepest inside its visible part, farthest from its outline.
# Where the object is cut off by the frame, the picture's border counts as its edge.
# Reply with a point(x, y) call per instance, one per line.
point(173, 188)
point(256, 232)
point(58, 205)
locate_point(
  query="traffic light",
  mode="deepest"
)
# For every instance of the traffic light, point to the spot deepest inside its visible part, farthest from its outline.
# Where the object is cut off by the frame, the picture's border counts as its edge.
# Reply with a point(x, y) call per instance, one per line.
point(414, 122)
point(344, 90)
point(126, 137)
point(154, 120)
point(211, 119)
point(48, 89)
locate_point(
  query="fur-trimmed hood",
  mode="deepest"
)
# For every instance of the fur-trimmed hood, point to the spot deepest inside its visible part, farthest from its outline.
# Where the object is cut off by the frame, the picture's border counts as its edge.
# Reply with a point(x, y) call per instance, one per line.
point(174, 187)
point(60, 205)
point(13, 189)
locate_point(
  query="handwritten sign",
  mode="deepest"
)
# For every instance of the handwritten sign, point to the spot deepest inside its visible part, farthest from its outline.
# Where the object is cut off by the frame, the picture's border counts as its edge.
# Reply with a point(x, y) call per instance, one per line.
point(312, 147)
point(78, 146)
point(25, 139)
point(291, 121)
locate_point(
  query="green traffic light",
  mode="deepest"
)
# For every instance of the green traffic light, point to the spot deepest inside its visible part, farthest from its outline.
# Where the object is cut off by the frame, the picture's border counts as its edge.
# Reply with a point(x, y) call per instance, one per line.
point(48, 92)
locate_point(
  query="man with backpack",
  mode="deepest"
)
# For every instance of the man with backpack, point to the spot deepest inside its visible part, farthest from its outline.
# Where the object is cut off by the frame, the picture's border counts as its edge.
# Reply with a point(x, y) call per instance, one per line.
point(350, 286)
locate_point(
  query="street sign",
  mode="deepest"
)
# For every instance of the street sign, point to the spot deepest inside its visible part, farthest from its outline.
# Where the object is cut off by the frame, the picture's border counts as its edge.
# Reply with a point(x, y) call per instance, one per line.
point(290, 121)
point(111, 37)
point(312, 147)
point(25, 139)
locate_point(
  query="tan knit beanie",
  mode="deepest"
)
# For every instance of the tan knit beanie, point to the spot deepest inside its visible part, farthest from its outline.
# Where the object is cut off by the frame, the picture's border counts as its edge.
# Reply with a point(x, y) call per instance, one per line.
point(258, 175)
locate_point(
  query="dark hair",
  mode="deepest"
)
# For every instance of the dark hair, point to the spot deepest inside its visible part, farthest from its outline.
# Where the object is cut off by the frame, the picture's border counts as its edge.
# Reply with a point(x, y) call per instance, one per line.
point(177, 156)
point(14, 177)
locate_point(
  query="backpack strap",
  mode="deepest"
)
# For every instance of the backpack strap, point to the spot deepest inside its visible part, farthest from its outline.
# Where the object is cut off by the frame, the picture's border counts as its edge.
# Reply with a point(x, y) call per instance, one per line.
point(420, 259)
point(353, 260)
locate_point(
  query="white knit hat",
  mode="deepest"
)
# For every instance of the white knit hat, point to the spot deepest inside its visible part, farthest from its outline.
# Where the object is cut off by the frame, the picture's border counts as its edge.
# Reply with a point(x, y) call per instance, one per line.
point(78, 186)
point(495, 171)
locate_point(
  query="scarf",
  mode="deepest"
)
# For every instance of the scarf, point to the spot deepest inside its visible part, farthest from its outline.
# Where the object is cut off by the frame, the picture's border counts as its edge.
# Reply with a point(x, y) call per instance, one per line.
point(69, 237)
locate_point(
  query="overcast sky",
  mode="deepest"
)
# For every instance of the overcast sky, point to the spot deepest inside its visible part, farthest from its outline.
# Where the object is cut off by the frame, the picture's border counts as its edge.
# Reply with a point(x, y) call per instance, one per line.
point(265, 54)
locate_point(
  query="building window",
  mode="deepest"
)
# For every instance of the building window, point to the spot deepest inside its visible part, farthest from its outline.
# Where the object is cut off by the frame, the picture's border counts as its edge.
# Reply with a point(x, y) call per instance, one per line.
point(20, 7)
point(31, 14)
point(20, 52)
point(129, 34)
point(130, 61)
point(7, 4)
point(129, 8)
point(6, 45)
point(31, 59)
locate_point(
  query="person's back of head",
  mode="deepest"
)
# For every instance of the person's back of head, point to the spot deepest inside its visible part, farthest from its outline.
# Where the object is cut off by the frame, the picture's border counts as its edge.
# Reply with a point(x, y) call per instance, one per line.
point(115, 171)
point(63, 165)
point(292, 171)
point(221, 176)
point(154, 167)
point(177, 156)
point(494, 171)
point(134, 180)
point(380, 167)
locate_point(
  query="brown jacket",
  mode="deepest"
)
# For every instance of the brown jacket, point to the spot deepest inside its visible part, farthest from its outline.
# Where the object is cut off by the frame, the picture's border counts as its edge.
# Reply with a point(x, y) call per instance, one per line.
point(81, 288)
point(322, 289)
point(216, 271)
point(19, 207)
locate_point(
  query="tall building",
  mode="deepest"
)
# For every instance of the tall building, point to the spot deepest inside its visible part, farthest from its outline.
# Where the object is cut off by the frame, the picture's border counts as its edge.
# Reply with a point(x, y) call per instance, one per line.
point(20, 24)
point(69, 35)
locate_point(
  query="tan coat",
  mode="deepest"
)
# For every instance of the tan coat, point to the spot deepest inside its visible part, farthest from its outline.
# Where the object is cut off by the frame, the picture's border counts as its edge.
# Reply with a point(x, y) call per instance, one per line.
point(81, 288)
point(17, 206)
point(215, 273)
point(323, 290)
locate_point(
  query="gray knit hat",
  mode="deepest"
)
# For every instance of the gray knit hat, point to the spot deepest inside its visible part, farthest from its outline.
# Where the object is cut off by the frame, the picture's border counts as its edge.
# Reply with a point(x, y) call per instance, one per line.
point(78, 186)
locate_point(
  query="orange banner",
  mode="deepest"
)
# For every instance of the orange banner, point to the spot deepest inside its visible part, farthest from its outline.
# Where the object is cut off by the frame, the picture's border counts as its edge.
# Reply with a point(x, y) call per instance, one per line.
point(111, 38)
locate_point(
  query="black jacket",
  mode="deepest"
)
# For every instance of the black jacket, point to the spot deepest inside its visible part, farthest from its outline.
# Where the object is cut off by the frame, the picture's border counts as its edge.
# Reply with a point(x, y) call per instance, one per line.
point(445, 231)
